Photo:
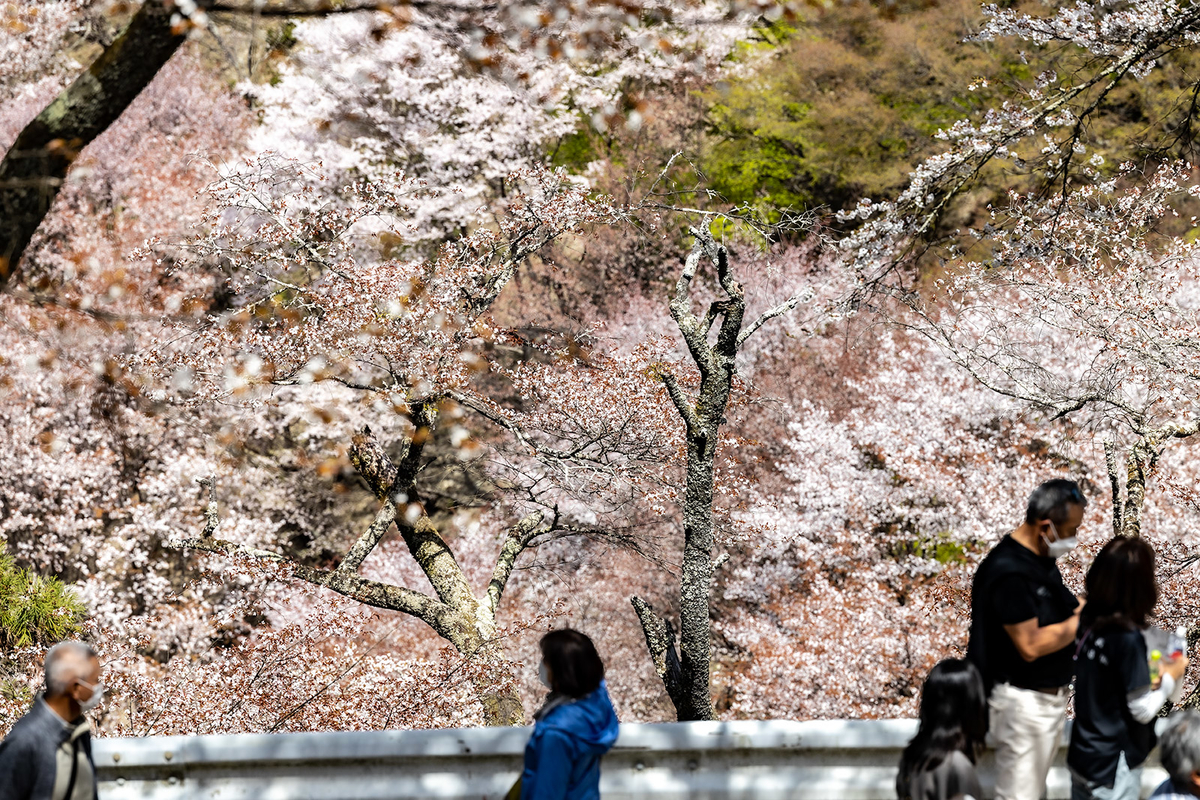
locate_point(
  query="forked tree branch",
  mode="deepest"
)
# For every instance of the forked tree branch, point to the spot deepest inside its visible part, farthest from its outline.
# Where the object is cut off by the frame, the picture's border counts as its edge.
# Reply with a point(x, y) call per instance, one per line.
point(518, 539)
point(373, 593)
point(682, 404)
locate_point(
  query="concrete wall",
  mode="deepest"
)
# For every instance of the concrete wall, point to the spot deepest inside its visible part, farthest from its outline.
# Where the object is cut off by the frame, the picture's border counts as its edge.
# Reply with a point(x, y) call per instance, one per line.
point(820, 760)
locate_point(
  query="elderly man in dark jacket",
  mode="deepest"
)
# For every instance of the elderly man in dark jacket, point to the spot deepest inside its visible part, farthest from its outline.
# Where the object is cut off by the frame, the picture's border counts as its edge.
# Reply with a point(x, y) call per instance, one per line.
point(48, 753)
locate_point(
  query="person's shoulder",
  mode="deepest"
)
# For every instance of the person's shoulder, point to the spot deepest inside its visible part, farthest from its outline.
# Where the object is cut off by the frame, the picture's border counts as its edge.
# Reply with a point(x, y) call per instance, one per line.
point(961, 777)
point(1167, 791)
point(958, 763)
point(23, 737)
point(557, 718)
point(1007, 551)
point(546, 732)
point(1007, 560)
point(1120, 637)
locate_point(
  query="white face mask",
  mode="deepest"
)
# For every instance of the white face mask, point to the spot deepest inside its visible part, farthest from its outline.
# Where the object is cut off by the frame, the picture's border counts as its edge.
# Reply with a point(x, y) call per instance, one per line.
point(1059, 547)
point(542, 676)
point(94, 700)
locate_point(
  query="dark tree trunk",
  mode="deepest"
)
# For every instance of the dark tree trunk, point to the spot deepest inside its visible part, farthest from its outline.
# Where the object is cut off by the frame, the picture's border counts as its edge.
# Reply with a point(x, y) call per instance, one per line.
point(688, 684)
point(35, 166)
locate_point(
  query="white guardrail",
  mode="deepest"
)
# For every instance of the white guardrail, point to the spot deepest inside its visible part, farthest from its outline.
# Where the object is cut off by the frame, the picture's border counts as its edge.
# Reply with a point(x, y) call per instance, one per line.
point(819, 760)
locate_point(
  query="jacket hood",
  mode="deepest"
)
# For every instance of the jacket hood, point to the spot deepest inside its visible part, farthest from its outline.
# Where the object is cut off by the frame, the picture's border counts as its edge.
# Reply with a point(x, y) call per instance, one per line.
point(590, 720)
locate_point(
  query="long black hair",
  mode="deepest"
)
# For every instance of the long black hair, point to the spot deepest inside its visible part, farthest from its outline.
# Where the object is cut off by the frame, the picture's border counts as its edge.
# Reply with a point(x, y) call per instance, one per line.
point(953, 718)
point(1121, 589)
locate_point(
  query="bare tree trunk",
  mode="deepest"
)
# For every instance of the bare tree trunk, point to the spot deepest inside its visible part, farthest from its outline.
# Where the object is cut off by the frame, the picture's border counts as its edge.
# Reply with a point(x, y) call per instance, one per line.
point(1114, 478)
point(1142, 458)
point(689, 686)
point(35, 166)
point(695, 634)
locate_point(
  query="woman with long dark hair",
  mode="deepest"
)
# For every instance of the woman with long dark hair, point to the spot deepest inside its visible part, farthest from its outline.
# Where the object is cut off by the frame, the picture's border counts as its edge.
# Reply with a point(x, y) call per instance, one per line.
point(575, 727)
point(1116, 700)
point(939, 762)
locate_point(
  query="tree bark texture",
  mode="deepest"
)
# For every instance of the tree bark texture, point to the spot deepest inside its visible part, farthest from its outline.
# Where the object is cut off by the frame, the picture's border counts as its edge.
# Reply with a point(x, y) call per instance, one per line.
point(456, 614)
point(689, 687)
point(1137, 465)
point(35, 166)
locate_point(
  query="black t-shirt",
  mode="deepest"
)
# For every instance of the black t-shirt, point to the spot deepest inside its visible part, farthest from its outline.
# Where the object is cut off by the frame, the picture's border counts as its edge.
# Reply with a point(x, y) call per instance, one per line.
point(1014, 584)
point(1111, 664)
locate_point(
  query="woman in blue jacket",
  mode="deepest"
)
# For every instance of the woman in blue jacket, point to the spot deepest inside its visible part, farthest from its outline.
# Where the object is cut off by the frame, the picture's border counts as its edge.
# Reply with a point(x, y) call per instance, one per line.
point(575, 727)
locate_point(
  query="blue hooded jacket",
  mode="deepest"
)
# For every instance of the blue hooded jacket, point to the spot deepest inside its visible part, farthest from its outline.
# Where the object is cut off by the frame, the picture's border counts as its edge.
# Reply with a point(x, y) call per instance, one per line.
point(562, 758)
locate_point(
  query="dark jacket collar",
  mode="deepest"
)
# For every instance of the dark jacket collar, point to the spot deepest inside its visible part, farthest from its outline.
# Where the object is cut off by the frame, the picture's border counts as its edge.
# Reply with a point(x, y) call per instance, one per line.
point(44, 721)
point(28, 765)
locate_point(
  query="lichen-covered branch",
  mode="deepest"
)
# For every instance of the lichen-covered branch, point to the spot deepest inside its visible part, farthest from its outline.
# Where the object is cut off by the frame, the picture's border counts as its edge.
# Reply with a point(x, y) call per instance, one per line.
point(518, 538)
point(370, 538)
point(395, 485)
point(1142, 457)
point(424, 417)
point(660, 641)
point(211, 516)
point(372, 463)
point(680, 305)
point(682, 405)
point(1114, 478)
point(771, 314)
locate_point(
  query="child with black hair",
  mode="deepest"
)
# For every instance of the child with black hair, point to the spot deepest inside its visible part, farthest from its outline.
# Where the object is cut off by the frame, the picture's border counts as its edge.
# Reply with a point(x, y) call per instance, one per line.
point(939, 762)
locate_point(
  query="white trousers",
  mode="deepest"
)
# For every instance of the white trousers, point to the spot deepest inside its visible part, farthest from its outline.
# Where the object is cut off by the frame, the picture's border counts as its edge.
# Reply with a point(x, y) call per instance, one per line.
point(1027, 727)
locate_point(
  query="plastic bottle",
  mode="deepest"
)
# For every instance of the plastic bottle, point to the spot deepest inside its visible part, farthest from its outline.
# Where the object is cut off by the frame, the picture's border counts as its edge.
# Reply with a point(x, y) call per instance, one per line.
point(1177, 645)
point(1155, 666)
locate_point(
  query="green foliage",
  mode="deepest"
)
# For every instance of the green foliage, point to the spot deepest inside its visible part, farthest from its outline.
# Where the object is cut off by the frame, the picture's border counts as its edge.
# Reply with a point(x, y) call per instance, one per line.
point(847, 105)
point(16, 692)
point(766, 36)
point(282, 37)
point(943, 551)
point(939, 547)
point(35, 610)
point(576, 150)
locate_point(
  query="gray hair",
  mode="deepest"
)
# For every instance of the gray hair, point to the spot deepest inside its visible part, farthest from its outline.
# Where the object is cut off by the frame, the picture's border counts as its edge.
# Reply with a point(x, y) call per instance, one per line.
point(1180, 746)
point(66, 663)
point(1051, 499)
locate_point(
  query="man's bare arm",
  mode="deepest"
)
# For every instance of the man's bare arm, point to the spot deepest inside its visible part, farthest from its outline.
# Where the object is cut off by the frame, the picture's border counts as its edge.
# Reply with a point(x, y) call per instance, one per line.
point(1033, 641)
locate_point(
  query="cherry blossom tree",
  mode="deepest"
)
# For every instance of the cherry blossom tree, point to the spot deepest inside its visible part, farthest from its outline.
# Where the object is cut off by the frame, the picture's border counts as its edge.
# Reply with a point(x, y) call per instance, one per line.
point(315, 306)
point(1043, 131)
point(894, 479)
point(1086, 313)
point(113, 491)
point(365, 98)
point(500, 38)
point(686, 674)
point(1075, 298)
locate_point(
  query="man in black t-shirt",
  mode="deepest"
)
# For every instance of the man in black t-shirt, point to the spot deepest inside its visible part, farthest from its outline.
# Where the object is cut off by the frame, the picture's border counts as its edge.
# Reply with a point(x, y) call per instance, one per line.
point(1023, 623)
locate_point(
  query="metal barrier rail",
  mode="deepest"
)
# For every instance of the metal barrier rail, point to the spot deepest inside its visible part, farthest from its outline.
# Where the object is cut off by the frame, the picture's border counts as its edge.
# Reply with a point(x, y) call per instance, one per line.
point(819, 760)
